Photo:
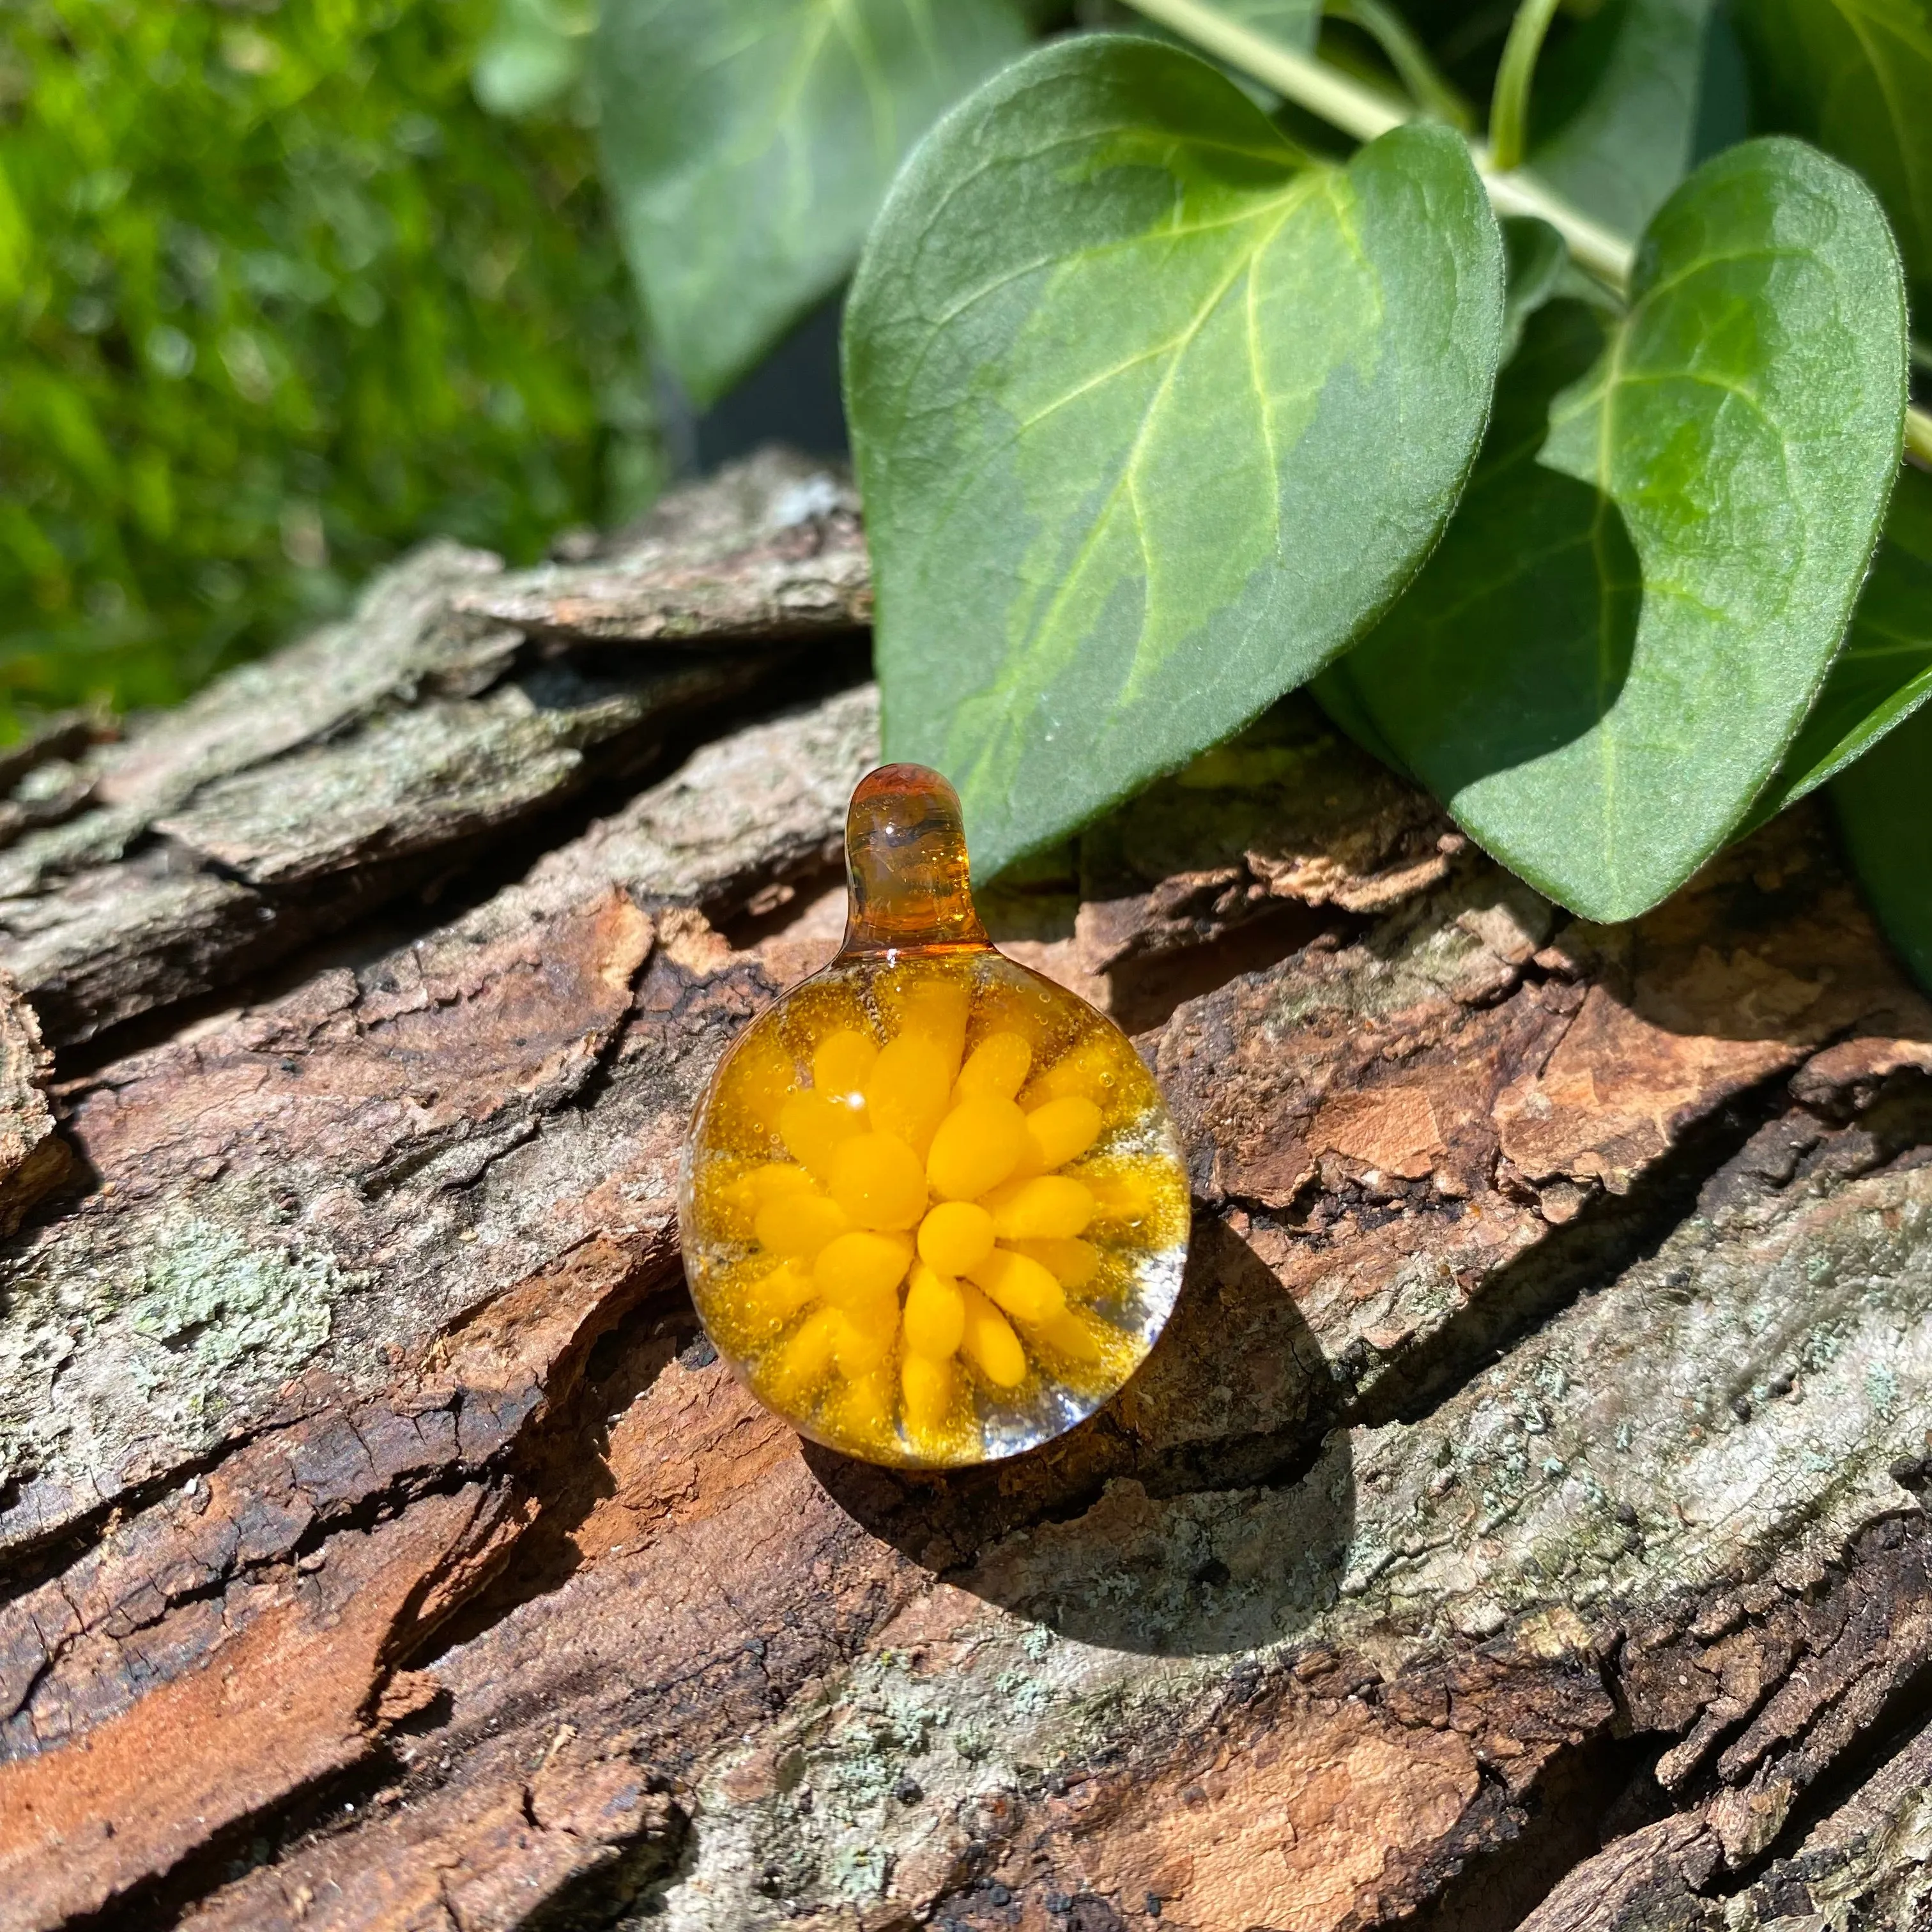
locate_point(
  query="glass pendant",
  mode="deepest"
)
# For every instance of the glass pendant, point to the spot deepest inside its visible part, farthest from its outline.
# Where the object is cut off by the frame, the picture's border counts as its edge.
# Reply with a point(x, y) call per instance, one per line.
point(933, 1210)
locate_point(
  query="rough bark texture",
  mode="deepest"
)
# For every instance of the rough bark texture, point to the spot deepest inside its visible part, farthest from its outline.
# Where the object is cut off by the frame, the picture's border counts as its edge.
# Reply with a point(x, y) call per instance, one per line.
point(1520, 1523)
point(382, 754)
point(34, 1159)
point(774, 551)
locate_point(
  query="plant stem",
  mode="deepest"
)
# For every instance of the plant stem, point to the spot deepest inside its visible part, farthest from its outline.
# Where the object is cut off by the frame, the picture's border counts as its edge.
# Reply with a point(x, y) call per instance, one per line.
point(1601, 251)
point(1404, 53)
point(1365, 112)
point(1509, 106)
point(1339, 99)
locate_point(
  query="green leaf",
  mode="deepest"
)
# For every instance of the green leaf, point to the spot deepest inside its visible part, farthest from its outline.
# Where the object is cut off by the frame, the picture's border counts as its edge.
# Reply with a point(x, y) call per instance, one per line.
point(1659, 552)
point(1152, 415)
point(1855, 77)
point(1884, 674)
point(747, 143)
point(1884, 804)
point(1337, 693)
point(1615, 107)
point(1534, 258)
point(1536, 264)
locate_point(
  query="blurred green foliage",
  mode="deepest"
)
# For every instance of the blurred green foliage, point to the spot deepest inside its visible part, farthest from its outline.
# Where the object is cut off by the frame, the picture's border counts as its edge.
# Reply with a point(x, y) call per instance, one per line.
point(277, 297)
point(534, 54)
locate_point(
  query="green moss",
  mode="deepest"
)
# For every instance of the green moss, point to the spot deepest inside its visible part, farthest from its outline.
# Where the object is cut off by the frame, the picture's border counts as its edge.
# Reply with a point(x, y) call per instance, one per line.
point(277, 299)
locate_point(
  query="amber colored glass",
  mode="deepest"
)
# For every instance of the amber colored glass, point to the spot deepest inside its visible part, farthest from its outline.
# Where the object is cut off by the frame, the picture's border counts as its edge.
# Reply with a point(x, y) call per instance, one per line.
point(933, 1210)
point(906, 877)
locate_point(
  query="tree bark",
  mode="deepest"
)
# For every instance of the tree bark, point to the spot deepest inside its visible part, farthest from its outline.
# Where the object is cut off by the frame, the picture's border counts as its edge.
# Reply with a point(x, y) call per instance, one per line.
point(1520, 1524)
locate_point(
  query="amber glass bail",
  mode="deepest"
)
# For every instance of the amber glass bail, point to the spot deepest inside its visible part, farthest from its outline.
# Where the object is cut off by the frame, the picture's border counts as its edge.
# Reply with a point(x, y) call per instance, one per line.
point(905, 860)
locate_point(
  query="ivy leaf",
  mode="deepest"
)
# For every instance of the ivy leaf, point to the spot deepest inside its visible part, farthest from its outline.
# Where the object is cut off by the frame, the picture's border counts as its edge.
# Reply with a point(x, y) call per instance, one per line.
point(1616, 106)
point(1855, 76)
point(747, 142)
point(1335, 691)
point(1884, 674)
point(1536, 265)
point(1534, 258)
point(1152, 415)
point(1884, 805)
point(1604, 662)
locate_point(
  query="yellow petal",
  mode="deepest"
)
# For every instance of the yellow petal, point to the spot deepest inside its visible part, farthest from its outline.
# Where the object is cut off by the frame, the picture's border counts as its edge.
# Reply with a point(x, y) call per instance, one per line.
point(769, 1303)
point(1073, 1264)
point(996, 1069)
point(931, 1389)
point(756, 1080)
point(1052, 1207)
point(842, 1063)
point(989, 1342)
point(1068, 1335)
point(775, 1180)
point(935, 1313)
point(865, 1334)
point(1089, 1070)
point(908, 1089)
point(800, 1224)
point(954, 1235)
point(803, 1363)
point(862, 1411)
point(814, 1127)
point(934, 1008)
point(856, 1267)
point(978, 1145)
point(1137, 1203)
point(1018, 1283)
point(1063, 1130)
point(877, 1179)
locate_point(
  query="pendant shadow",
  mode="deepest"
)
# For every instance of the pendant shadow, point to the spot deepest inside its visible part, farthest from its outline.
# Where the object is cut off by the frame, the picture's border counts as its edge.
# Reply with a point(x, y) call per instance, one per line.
point(1207, 1508)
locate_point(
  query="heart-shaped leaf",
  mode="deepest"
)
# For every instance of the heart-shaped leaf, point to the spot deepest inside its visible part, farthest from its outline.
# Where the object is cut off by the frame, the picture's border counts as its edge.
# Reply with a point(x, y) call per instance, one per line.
point(1153, 413)
point(1884, 804)
point(747, 143)
point(1855, 76)
point(1884, 674)
point(1658, 554)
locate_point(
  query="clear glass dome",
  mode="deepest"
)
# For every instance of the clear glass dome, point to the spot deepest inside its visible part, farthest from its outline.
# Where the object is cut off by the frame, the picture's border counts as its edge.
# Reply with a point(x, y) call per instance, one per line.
point(933, 1210)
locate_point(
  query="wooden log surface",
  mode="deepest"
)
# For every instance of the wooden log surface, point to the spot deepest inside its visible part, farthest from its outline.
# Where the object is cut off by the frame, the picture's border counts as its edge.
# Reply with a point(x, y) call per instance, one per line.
point(1520, 1525)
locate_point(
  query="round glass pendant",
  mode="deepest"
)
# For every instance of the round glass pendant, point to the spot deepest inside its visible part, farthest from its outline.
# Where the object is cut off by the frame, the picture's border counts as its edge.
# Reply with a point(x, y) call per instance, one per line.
point(934, 1210)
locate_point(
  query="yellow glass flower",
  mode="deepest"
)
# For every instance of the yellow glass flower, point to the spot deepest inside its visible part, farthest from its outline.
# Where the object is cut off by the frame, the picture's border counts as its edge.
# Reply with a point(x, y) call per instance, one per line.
point(934, 1211)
